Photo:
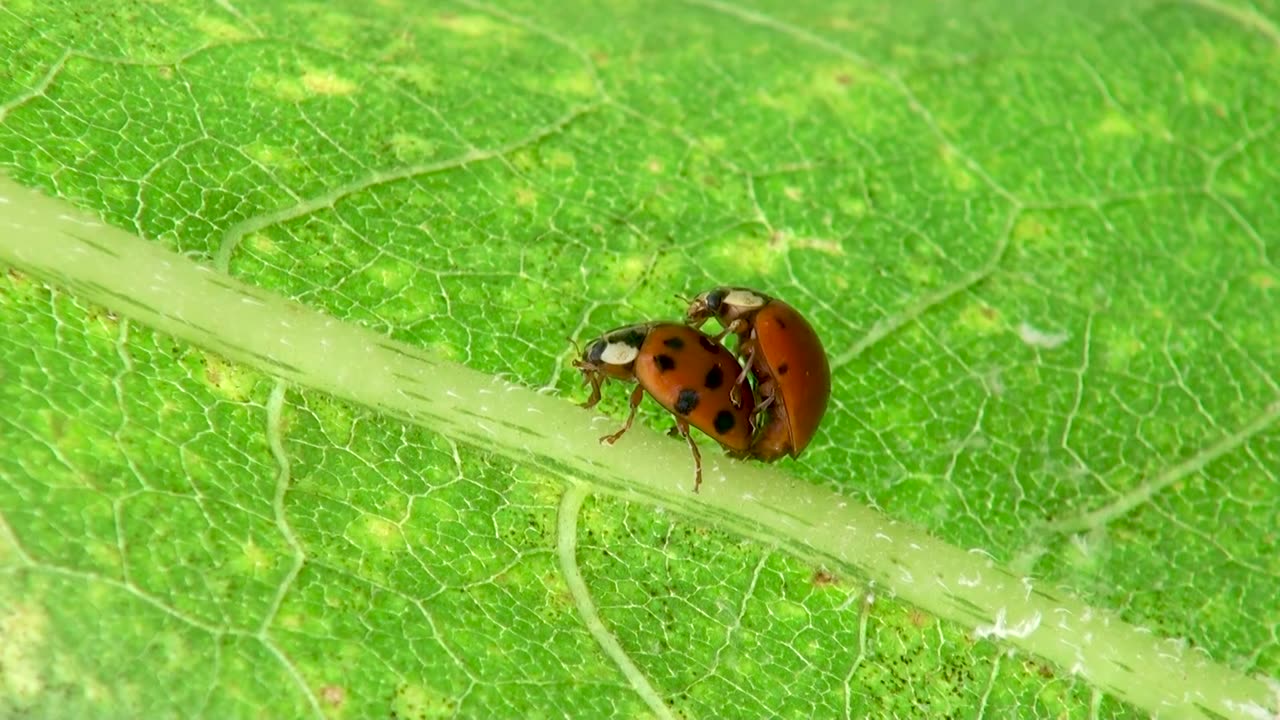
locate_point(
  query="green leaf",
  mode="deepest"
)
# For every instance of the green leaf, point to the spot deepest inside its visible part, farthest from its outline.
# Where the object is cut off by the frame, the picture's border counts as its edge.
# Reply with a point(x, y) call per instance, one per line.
point(287, 416)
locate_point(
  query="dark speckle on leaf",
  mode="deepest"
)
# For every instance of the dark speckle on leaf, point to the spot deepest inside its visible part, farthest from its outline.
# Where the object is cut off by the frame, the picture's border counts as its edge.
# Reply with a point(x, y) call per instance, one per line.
point(686, 401)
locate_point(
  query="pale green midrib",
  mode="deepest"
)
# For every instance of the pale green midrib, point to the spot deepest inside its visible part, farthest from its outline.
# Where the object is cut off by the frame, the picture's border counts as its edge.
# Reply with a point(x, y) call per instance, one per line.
point(105, 265)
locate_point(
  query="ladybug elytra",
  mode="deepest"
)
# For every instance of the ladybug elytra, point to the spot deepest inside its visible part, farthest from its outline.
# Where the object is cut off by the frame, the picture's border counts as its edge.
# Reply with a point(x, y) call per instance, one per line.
point(695, 378)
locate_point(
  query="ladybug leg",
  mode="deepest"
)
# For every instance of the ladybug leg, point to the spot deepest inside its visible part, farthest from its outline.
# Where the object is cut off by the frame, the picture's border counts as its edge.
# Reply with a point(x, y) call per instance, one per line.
point(769, 391)
point(728, 330)
point(674, 431)
point(595, 379)
point(682, 428)
point(762, 407)
point(735, 395)
point(636, 397)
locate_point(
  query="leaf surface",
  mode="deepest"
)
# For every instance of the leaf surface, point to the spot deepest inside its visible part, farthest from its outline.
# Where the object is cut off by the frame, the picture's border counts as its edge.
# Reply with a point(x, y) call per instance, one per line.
point(272, 444)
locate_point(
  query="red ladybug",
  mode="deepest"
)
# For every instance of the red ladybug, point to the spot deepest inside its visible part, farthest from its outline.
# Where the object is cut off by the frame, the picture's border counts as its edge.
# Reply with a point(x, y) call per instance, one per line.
point(690, 375)
point(793, 378)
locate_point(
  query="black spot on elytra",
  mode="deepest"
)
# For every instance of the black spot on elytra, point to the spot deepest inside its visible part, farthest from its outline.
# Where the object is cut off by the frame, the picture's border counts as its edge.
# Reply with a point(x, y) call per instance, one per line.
point(665, 362)
point(725, 421)
point(714, 379)
point(708, 344)
point(686, 401)
point(783, 368)
point(674, 343)
point(781, 325)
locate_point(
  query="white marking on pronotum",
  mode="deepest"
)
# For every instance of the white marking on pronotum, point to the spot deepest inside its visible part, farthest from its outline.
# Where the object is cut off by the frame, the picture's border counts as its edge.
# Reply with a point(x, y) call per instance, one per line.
point(744, 298)
point(1001, 629)
point(619, 353)
point(1036, 337)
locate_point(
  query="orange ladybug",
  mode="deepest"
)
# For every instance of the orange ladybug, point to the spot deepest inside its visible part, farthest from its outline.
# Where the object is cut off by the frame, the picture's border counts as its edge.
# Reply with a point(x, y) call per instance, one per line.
point(793, 378)
point(690, 375)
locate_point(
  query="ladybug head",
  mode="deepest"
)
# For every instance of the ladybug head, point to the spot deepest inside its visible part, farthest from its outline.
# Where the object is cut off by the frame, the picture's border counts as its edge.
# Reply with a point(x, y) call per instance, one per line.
point(725, 304)
point(706, 305)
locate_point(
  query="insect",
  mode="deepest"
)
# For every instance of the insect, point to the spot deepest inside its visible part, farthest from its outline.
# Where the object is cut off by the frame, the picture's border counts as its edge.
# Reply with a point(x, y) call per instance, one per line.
point(793, 378)
point(690, 375)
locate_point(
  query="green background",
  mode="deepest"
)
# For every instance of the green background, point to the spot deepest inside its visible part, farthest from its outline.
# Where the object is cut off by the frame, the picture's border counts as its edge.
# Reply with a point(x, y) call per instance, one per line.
point(1038, 242)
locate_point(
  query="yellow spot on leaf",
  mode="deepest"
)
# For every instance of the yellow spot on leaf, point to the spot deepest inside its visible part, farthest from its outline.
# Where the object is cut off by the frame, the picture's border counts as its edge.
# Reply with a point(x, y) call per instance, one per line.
point(961, 178)
point(218, 29)
point(1263, 281)
point(474, 26)
point(229, 380)
point(391, 273)
point(325, 82)
point(1115, 124)
point(835, 81)
point(1119, 351)
point(560, 159)
point(254, 559)
point(786, 610)
point(262, 244)
point(272, 156)
point(23, 631)
point(1204, 57)
point(852, 206)
point(379, 532)
point(581, 84)
point(749, 254)
point(981, 319)
point(410, 147)
point(823, 245)
point(1028, 228)
point(1198, 93)
point(714, 143)
point(526, 197)
point(282, 88)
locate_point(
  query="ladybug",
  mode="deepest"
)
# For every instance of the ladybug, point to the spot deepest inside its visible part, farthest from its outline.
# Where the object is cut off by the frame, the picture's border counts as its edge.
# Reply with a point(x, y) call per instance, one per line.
point(793, 378)
point(689, 374)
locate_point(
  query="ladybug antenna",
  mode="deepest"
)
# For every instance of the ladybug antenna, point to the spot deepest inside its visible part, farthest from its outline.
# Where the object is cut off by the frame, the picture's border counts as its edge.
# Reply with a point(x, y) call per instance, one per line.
point(683, 299)
point(577, 349)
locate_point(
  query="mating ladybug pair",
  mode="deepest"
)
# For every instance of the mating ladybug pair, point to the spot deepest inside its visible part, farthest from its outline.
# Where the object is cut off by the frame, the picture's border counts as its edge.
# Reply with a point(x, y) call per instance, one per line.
point(703, 384)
